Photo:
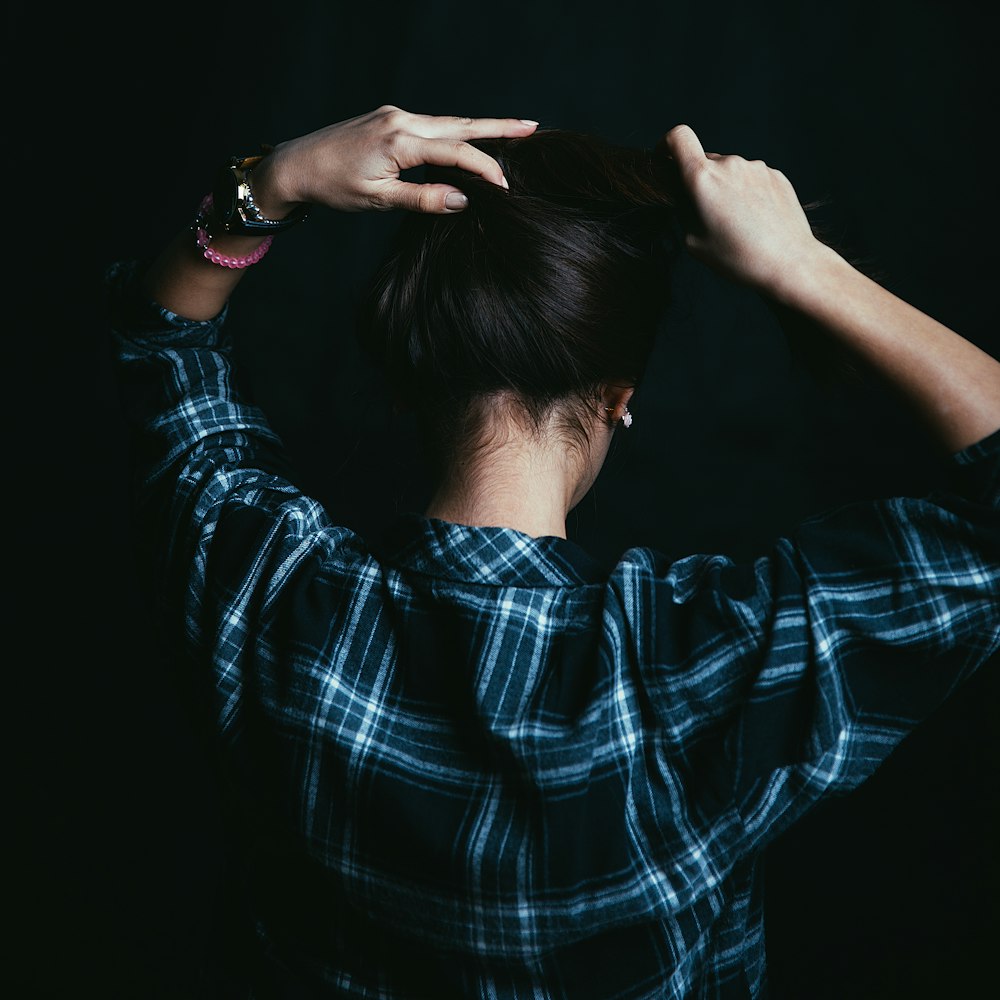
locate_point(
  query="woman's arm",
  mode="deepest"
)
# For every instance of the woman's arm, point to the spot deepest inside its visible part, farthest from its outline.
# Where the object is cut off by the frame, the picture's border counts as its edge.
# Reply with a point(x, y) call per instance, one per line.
point(350, 166)
point(953, 385)
point(221, 526)
point(746, 222)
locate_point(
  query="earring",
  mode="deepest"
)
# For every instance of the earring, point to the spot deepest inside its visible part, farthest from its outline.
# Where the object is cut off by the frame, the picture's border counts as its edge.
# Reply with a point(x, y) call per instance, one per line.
point(626, 416)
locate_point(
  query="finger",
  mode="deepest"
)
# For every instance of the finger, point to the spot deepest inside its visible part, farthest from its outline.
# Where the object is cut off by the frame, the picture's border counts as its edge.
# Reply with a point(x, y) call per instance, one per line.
point(662, 148)
point(437, 199)
point(686, 149)
point(454, 127)
point(452, 153)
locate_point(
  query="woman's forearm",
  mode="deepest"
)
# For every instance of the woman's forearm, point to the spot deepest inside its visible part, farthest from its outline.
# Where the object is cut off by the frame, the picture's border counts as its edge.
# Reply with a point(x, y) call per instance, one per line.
point(183, 281)
point(953, 385)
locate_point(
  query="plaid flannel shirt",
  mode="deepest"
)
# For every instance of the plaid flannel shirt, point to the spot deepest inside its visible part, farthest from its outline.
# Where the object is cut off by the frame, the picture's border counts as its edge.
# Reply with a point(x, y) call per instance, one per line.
point(469, 762)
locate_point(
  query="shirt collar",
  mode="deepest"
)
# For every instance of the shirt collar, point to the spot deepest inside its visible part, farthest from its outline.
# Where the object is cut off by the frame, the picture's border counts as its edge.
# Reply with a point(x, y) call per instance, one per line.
point(493, 556)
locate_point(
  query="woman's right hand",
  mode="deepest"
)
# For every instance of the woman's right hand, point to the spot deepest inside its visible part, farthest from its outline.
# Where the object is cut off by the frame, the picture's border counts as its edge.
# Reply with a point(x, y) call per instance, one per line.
point(741, 217)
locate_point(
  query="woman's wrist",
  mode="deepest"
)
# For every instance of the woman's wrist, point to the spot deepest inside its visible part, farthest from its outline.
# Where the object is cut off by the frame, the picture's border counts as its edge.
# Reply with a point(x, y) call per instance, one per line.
point(810, 279)
point(271, 187)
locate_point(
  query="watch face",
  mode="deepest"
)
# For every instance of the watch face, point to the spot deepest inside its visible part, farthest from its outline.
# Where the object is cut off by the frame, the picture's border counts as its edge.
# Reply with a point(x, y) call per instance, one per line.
point(230, 212)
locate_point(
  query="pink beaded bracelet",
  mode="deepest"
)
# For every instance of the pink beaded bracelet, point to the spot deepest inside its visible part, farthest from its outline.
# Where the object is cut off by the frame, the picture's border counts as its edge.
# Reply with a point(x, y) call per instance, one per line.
point(203, 239)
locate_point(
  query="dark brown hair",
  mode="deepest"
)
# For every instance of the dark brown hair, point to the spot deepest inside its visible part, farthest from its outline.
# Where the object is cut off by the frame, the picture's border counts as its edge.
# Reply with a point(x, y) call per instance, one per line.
point(544, 291)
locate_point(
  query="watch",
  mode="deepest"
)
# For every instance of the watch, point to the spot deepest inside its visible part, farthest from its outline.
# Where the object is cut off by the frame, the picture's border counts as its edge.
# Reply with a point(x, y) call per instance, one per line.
point(233, 207)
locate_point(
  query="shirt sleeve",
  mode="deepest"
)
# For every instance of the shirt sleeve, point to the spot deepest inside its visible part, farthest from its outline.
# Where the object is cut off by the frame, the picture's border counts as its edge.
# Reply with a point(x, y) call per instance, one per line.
point(794, 676)
point(221, 527)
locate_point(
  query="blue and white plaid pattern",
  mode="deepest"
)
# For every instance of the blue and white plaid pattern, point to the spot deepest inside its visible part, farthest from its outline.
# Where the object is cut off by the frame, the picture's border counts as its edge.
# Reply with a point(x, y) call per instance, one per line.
point(472, 763)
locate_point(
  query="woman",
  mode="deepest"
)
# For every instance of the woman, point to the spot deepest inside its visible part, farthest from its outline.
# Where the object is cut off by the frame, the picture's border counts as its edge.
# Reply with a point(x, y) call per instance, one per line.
point(463, 759)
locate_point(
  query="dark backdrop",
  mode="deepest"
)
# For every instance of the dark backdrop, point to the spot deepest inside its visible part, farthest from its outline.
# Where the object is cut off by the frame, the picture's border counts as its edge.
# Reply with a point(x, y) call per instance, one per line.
point(116, 119)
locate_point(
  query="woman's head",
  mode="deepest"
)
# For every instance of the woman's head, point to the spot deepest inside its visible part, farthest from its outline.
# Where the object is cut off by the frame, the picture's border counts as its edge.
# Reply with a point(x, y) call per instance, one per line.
point(536, 296)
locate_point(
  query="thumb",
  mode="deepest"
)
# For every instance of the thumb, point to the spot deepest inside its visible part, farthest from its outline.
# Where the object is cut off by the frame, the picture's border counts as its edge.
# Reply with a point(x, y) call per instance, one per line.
point(436, 199)
point(686, 149)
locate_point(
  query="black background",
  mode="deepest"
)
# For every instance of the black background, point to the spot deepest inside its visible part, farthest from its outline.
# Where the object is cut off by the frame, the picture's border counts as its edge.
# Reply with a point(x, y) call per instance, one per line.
point(116, 120)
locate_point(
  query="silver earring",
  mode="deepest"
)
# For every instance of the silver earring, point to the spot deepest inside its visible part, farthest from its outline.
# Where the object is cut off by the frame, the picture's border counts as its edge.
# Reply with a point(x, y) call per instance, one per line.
point(626, 416)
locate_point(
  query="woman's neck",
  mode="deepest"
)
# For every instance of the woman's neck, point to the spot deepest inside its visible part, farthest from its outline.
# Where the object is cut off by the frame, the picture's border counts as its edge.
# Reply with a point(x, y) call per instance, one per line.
point(529, 486)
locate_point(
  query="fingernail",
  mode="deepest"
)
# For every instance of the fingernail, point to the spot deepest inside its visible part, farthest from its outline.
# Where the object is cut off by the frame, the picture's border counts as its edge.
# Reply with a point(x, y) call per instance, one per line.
point(503, 181)
point(527, 121)
point(455, 201)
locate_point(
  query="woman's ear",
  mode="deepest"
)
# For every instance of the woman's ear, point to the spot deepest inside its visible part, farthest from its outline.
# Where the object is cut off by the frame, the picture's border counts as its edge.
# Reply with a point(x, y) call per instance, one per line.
point(616, 399)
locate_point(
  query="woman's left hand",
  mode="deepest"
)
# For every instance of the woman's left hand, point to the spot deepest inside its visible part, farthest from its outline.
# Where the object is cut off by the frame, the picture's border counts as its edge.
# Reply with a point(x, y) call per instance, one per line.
point(355, 165)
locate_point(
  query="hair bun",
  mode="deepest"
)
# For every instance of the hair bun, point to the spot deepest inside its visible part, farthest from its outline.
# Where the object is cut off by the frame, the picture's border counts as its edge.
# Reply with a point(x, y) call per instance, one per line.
point(544, 290)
